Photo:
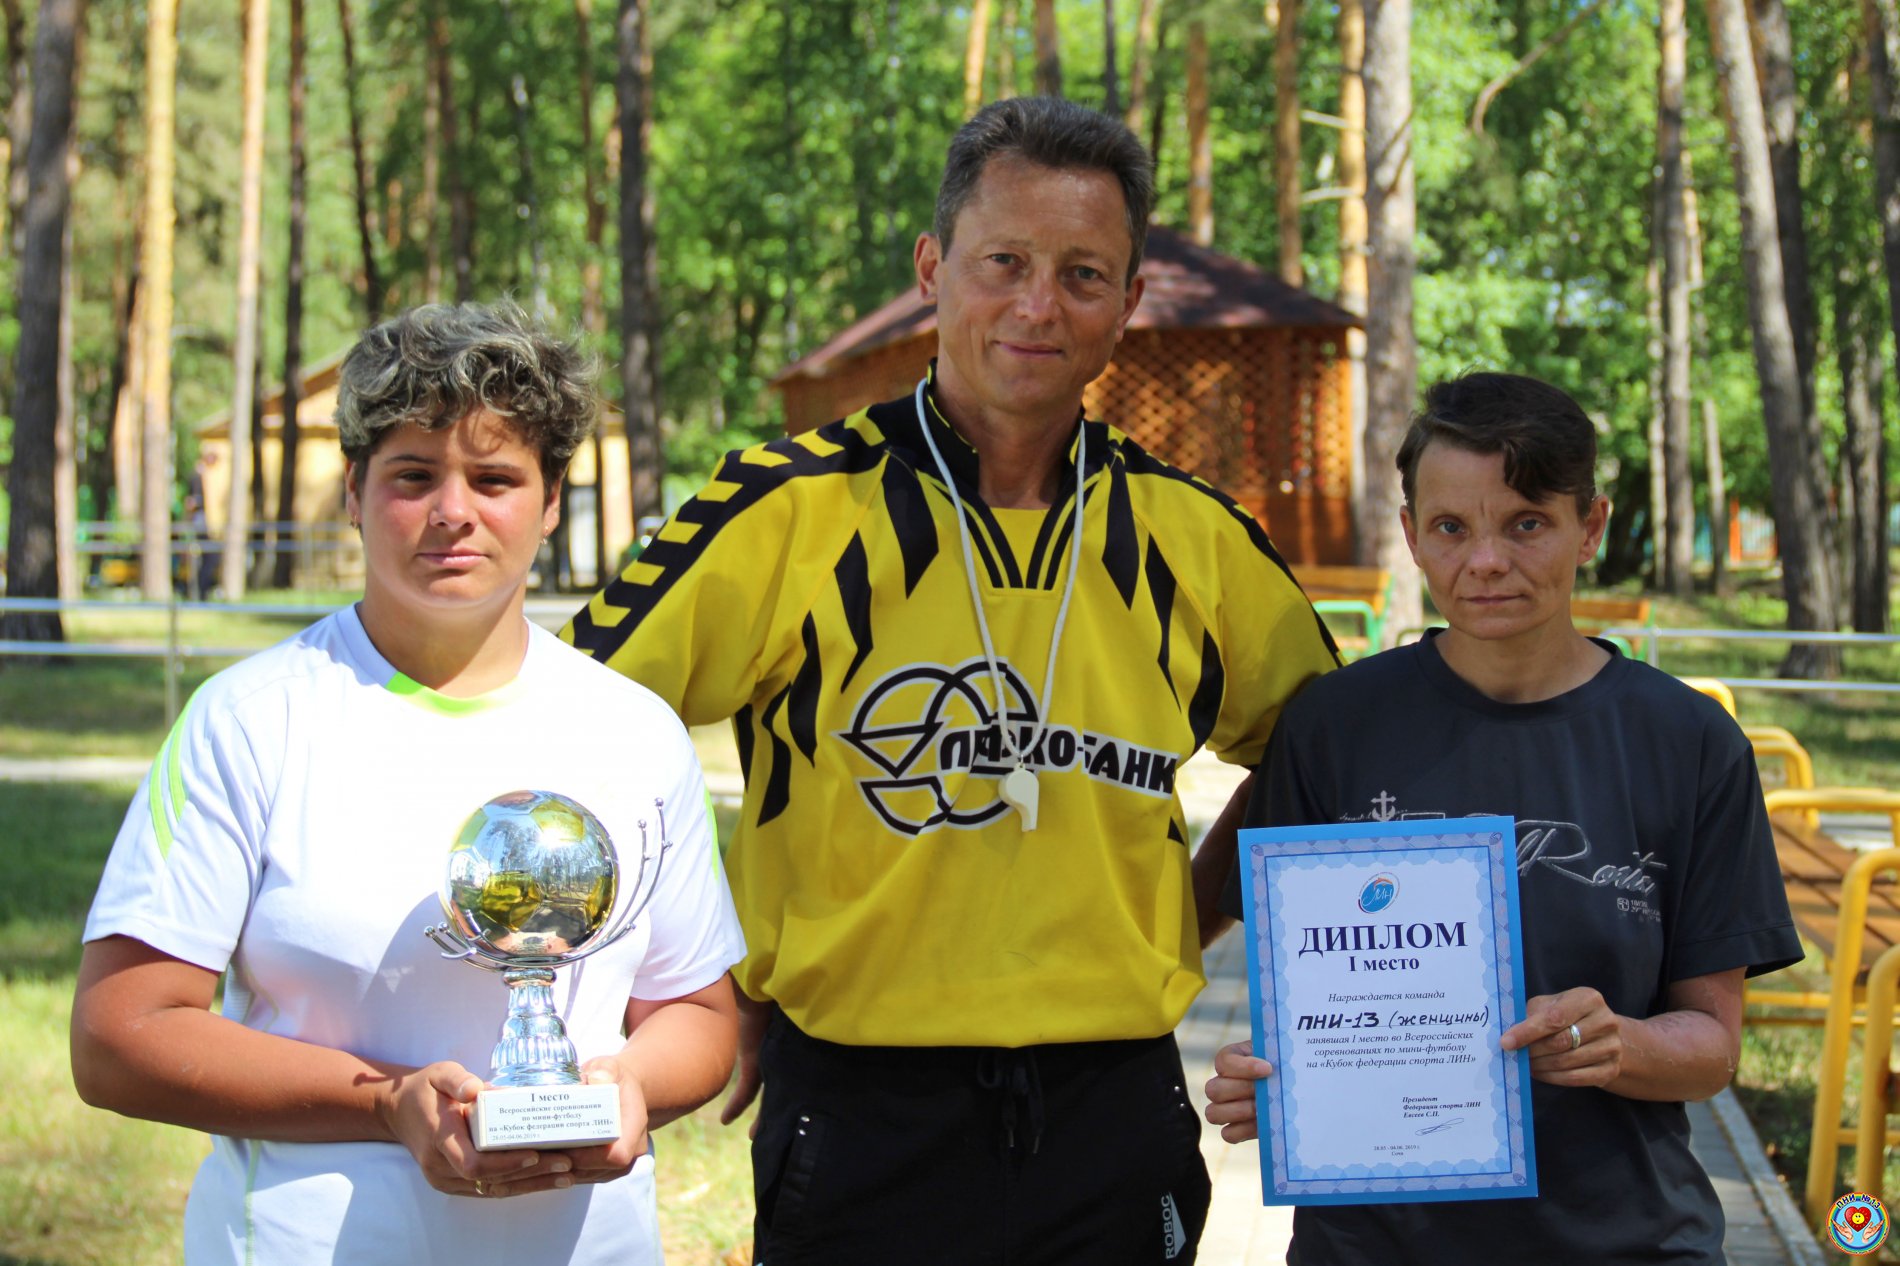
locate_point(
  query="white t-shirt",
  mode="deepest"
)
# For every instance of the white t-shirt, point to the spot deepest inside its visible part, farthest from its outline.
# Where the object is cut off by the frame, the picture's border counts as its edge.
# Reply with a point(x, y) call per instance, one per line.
point(294, 833)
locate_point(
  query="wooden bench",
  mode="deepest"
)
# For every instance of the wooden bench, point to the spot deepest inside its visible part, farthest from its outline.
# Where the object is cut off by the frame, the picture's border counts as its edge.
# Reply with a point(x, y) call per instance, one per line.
point(1814, 870)
point(1352, 600)
point(1593, 613)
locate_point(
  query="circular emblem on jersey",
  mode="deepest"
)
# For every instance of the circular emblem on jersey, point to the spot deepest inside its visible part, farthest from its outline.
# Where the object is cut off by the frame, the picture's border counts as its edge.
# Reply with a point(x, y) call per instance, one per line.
point(1857, 1224)
point(927, 729)
point(1378, 893)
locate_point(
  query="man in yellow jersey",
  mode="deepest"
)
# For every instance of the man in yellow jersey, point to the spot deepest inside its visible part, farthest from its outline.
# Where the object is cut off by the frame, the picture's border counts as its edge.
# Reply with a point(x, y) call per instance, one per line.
point(961, 868)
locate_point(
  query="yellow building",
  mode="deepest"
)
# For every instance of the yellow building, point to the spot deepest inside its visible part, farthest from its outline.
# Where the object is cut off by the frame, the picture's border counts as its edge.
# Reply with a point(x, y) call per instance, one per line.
point(325, 545)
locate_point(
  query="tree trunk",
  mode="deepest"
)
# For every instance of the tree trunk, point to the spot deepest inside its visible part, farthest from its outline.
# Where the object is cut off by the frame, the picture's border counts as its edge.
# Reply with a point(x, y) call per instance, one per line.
point(365, 222)
point(1200, 145)
point(593, 312)
point(1658, 520)
point(288, 433)
point(128, 474)
point(974, 52)
point(1146, 27)
point(234, 563)
point(19, 121)
point(1048, 51)
point(1286, 141)
point(1111, 74)
point(1352, 218)
point(1158, 104)
point(527, 202)
point(1391, 340)
point(1863, 460)
point(66, 426)
point(1675, 553)
point(1006, 52)
point(1773, 46)
point(103, 470)
point(1800, 497)
point(426, 209)
point(461, 197)
point(155, 507)
point(639, 356)
point(593, 308)
point(260, 508)
point(1719, 581)
point(1881, 19)
point(32, 562)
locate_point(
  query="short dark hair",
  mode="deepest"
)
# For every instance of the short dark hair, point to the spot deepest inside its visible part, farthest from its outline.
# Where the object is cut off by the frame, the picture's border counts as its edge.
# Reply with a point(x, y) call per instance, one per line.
point(1056, 133)
point(436, 364)
point(1548, 442)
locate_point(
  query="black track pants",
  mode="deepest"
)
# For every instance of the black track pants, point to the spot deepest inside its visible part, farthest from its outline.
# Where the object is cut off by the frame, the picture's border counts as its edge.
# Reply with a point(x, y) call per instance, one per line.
point(1084, 1152)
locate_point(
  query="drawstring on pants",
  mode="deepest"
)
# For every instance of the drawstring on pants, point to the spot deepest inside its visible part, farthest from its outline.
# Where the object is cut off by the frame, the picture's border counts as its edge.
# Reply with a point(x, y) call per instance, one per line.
point(1014, 1072)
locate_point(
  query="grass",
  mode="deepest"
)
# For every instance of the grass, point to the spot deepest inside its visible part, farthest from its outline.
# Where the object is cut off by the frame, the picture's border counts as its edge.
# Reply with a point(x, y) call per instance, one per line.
point(77, 1186)
point(1853, 738)
point(83, 1187)
point(113, 706)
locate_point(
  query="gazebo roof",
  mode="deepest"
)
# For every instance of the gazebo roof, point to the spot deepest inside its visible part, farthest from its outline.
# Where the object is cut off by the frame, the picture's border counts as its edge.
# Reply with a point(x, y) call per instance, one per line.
point(1189, 287)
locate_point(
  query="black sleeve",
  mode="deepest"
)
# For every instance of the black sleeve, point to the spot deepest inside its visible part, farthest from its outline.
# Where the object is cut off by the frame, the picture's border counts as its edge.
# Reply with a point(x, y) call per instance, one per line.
point(1734, 911)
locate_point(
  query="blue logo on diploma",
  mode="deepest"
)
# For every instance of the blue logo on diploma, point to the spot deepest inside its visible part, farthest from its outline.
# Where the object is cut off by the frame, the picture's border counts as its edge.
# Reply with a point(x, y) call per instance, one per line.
point(1382, 1018)
point(1378, 893)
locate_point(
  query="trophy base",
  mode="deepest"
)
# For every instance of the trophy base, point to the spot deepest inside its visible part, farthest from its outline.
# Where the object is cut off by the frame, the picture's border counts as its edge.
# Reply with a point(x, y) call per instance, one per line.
point(545, 1116)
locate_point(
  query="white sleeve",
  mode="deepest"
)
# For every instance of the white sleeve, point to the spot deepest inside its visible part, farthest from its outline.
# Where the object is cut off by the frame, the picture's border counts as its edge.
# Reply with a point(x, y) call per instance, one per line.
point(693, 929)
point(188, 858)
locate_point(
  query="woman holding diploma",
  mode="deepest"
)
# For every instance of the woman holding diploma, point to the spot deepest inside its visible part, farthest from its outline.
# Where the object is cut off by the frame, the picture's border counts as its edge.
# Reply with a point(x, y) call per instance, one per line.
point(294, 834)
point(1647, 874)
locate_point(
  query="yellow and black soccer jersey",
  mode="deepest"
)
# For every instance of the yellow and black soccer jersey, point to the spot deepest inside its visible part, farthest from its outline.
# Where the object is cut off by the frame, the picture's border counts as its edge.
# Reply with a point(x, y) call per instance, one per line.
point(815, 592)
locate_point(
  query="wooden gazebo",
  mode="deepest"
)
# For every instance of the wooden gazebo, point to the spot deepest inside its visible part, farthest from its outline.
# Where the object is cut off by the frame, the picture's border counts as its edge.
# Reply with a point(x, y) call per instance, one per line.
point(1225, 371)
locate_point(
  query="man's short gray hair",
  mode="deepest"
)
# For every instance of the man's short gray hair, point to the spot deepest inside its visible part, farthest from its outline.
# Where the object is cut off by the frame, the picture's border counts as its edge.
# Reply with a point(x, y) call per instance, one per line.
point(434, 365)
point(1052, 132)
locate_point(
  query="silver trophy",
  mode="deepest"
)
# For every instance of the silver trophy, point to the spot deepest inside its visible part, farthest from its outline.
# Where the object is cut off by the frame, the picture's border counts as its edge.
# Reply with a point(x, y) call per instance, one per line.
point(534, 883)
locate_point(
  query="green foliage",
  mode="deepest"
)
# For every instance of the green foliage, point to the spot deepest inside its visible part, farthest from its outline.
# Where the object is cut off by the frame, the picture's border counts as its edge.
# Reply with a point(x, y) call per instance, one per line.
point(794, 157)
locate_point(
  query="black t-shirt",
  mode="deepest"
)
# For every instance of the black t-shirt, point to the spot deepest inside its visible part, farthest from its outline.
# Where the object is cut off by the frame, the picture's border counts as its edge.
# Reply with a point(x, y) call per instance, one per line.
point(1644, 858)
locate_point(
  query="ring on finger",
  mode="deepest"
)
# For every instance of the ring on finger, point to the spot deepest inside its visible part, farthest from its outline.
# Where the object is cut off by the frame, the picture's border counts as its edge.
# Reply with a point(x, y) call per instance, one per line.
point(1576, 1037)
point(481, 1188)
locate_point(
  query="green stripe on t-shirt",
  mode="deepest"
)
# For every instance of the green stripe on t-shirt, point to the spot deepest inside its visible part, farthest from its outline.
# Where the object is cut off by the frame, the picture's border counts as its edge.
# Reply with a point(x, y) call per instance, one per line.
point(435, 701)
point(165, 785)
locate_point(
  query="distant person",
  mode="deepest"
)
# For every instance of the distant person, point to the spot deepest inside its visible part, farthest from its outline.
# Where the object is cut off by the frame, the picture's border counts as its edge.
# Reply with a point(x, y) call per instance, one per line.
point(966, 638)
point(1645, 865)
point(294, 834)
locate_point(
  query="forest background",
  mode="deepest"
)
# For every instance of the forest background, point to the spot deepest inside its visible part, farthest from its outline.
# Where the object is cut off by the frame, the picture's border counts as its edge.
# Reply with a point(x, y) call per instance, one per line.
point(788, 155)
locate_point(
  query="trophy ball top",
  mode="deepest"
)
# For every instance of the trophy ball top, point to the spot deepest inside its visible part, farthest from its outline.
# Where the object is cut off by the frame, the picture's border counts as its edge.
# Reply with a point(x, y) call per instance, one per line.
point(531, 878)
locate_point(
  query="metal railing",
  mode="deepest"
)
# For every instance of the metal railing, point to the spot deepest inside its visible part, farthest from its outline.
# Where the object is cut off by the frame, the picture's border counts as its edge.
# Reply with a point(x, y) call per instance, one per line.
point(554, 611)
point(549, 612)
point(117, 547)
point(1655, 636)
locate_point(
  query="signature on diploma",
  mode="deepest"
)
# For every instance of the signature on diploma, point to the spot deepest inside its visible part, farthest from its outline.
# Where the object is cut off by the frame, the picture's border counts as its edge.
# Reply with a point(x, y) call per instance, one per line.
point(1442, 1125)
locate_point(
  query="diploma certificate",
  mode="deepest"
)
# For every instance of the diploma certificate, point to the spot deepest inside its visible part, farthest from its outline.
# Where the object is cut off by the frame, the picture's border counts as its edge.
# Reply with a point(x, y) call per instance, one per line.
point(1384, 961)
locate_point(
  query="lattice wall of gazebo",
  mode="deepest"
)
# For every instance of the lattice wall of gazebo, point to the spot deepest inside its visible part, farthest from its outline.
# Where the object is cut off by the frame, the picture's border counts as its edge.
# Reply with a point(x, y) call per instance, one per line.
point(1263, 414)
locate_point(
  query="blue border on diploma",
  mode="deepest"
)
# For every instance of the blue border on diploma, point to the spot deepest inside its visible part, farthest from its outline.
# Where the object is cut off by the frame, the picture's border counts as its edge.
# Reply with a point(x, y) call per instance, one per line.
point(1512, 1170)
